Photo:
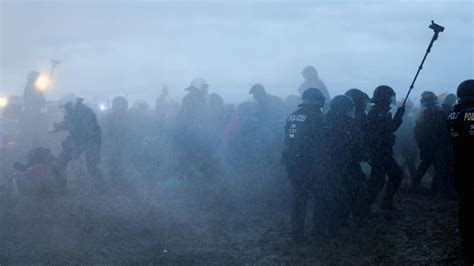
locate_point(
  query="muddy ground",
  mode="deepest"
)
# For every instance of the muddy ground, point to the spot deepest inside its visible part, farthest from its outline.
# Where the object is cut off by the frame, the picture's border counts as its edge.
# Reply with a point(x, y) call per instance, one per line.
point(178, 226)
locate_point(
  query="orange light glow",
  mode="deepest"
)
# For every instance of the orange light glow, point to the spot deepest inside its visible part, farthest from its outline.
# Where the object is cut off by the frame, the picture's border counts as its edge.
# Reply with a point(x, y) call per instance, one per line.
point(42, 83)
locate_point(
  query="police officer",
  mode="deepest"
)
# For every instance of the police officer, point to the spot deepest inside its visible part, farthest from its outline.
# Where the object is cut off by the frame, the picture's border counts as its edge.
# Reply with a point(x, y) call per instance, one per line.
point(361, 101)
point(461, 128)
point(433, 142)
point(341, 178)
point(381, 129)
point(190, 136)
point(359, 181)
point(34, 122)
point(303, 131)
point(84, 135)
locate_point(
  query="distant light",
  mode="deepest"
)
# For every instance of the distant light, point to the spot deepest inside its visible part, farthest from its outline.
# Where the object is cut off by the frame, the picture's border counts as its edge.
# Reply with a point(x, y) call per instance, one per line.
point(102, 107)
point(42, 83)
point(3, 102)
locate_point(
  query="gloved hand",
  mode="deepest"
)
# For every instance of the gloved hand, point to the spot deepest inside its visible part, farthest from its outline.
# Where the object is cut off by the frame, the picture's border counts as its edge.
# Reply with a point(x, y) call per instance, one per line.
point(400, 112)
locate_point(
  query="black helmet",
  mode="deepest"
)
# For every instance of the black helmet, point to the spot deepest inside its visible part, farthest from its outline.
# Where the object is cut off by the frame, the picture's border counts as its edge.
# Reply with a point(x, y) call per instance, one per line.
point(383, 94)
point(466, 89)
point(428, 98)
point(313, 96)
point(450, 99)
point(342, 104)
point(359, 97)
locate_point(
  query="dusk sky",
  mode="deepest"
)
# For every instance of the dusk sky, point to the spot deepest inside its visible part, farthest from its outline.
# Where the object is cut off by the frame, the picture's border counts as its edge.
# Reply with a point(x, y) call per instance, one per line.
point(135, 47)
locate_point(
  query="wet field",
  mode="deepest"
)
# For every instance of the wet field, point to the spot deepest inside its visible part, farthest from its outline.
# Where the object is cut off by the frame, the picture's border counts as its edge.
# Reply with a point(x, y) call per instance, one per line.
point(179, 226)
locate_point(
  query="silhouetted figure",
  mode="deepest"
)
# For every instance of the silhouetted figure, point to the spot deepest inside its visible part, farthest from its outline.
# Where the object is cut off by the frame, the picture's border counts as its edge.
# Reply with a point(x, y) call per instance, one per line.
point(461, 128)
point(143, 141)
point(381, 129)
point(358, 189)
point(361, 101)
point(303, 132)
point(312, 80)
point(271, 108)
point(271, 116)
point(433, 142)
point(40, 177)
point(243, 145)
point(142, 124)
point(342, 176)
point(34, 122)
point(117, 136)
point(162, 108)
point(84, 136)
point(33, 97)
point(203, 86)
point(217, 119)
point(190, 132)
point(193, 112)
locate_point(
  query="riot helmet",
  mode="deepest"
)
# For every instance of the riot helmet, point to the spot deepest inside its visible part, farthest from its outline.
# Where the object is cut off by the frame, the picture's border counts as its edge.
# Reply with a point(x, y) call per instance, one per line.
point(342, 105)
point(450, 99)
point(428, 98)
point(383, 95)
point(465, 90)
point(68, 100)
point(360, 98)
point(313, 96)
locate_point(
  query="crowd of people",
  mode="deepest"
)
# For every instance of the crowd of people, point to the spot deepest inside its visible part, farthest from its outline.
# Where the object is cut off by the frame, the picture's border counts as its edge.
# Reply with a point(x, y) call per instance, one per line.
point(324, 150)
point(323, 145)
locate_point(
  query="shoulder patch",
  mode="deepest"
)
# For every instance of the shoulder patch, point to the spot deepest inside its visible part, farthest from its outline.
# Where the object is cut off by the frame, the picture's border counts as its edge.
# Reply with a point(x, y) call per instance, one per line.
point(453, 115)
point(297, 118)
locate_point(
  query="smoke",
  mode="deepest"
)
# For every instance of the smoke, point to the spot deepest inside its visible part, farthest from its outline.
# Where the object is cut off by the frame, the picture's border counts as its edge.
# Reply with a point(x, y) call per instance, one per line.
point(187, 179)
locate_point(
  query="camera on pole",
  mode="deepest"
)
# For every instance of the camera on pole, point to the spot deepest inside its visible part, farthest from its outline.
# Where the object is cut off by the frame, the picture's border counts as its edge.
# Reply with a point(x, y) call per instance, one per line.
point(437, 29)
